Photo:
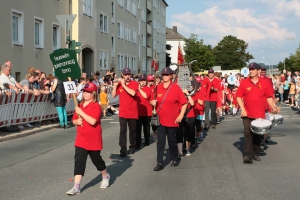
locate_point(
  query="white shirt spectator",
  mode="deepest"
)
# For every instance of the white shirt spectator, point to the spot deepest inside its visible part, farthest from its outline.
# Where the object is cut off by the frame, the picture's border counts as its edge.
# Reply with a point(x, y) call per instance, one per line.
point(101, 81)
point(7, 80)
point(79, 87)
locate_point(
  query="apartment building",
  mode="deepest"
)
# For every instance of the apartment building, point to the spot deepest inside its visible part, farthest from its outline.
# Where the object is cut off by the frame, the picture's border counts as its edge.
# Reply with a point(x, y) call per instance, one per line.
point(29, 33)
point(174, 39)
point(114, 34)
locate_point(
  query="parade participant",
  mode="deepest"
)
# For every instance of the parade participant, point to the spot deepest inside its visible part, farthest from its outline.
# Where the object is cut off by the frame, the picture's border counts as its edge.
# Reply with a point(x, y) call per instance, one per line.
point(154, 128)
point(199, 112)
point(104, 100)
point(210, 87)
point(220, 97)
point(251, 96)
point(169, 99)
point(128, 110)
point(150, 81)
point(145, 112)
point(234, 102)
point(227, 93)
point(88, 138)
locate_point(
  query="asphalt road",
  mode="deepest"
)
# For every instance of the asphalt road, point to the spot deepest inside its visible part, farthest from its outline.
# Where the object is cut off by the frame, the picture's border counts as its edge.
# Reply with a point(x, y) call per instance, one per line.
point(40, 166)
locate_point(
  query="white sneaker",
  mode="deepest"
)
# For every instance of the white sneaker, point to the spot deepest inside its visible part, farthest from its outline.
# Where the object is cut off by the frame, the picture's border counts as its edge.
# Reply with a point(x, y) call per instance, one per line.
point(188, 153)
point(105, 181)
point(28, 125)
point(21, 127)
point(73, 191)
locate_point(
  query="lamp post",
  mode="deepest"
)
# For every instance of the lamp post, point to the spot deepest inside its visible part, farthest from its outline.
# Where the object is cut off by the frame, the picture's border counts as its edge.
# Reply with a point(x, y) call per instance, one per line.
point(284, 55)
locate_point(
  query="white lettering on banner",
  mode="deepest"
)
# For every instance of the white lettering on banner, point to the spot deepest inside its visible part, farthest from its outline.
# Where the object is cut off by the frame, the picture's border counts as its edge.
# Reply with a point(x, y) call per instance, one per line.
point(66, 55)
point(69, 62)
point(66, 70)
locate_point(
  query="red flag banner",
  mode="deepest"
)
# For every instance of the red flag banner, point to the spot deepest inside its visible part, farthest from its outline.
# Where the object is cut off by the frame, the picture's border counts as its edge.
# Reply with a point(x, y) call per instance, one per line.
point(180, 58)
point(154, 65)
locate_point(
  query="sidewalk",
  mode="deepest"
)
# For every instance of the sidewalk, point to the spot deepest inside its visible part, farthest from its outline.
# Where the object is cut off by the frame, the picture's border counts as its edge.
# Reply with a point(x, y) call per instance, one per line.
point(5, 136)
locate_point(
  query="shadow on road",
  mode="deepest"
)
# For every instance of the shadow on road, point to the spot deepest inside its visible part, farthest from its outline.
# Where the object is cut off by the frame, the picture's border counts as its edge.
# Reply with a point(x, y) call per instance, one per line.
point(116, 169)
point(240, 145)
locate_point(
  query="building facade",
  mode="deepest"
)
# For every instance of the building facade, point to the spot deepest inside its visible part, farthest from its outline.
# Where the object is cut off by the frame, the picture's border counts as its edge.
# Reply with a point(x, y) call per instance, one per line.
point(174, 39)
point(114, 34)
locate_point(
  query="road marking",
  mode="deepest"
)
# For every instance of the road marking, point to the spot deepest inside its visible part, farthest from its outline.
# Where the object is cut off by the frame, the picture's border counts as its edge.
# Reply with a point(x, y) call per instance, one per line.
point(106, 119)
point(114, 122)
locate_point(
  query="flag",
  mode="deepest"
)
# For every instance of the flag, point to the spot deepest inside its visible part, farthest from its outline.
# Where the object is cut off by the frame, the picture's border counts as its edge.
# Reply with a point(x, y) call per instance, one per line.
point(180, 58)
point(154, 65)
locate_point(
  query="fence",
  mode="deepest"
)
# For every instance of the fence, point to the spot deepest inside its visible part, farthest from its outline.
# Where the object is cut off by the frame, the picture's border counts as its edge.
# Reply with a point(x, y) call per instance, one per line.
point(26, 108)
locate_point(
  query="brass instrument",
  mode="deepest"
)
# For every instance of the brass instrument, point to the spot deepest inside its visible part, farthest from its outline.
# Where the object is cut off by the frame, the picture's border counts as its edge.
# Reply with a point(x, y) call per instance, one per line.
point(183, 74)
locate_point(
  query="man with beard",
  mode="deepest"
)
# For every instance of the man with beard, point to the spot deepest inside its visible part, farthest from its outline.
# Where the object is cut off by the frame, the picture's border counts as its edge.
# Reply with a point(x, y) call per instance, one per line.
point(128, 115)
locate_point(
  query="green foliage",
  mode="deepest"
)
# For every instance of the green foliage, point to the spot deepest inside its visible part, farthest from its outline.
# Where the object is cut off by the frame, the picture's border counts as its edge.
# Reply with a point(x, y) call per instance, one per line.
point(196, 50)
point(292, 63)
point(230, 53)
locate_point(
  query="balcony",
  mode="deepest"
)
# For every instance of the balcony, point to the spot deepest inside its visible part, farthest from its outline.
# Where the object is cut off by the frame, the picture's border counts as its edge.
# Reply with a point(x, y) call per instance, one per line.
point(149, 29)
point(149, 6)
point(149, 52)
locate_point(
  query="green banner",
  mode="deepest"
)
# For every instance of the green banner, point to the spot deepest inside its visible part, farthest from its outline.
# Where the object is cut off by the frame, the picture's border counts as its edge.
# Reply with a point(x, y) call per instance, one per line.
point(65, 64)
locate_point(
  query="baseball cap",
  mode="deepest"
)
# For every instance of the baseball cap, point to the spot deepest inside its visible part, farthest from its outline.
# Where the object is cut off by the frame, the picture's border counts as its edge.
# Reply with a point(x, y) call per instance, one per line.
point(263, 69)
point(254, 65)
point(90, 87)
point(142, 77)
point(150, 77)
point(166, 71)
point(211, 71)
point(126, 71)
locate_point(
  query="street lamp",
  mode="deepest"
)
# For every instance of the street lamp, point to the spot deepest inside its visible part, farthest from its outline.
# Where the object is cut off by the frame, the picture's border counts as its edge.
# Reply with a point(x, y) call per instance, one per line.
point(284, 55)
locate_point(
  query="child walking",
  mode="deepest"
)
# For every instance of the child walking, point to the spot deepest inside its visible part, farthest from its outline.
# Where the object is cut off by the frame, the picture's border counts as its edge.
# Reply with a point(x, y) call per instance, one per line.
point(89, 137)
point(103, 100)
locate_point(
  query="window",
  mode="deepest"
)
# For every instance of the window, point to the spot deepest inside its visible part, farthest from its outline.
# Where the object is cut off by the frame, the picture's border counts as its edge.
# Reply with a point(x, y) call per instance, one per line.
point(154, 45)
point(139, 52)
point(121, 30)
point(56, 36)
point(133, 63)
point(120, 61)
point(139, 4)
point(87, 7)
point(103, 23)
point(121, 3)
point(143, 15)
point(143, 40)
point(155, 3)
point(126, 61)
point(112, 46)
point(38, 32)
point(139, 31)
point(134, 8)
point(17, 27)
point(125, 31)
point(113, 12)
point(128, 33)
point(127, 5)
point(154, 23)
point(129, 63)
point(134, 36)
point(103, 59)
point(144, 64)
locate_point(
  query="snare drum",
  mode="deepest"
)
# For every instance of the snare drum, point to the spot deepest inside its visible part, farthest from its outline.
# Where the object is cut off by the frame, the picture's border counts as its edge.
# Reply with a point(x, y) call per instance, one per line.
point(278, 119)
point(271, 118)
point(261, 126)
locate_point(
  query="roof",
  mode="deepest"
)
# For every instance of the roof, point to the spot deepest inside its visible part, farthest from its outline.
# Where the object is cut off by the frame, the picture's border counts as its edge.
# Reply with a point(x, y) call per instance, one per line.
point(173, 34)
point(165, 2)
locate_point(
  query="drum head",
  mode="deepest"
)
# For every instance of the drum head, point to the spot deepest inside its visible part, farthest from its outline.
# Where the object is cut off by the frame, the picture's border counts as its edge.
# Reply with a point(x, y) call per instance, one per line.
point(277, 116)
point(261, 123)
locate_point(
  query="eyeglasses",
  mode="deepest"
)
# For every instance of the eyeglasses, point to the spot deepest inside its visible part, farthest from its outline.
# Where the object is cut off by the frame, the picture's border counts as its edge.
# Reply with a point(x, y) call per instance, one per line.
point(165, 74)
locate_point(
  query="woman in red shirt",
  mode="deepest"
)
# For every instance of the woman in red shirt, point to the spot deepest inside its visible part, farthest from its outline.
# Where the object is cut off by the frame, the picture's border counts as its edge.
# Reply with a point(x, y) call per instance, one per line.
point(88, 138)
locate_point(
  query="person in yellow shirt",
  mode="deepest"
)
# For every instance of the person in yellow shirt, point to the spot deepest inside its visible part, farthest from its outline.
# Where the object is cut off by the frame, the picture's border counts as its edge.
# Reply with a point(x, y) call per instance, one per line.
point(103, 100)
point(292, 92)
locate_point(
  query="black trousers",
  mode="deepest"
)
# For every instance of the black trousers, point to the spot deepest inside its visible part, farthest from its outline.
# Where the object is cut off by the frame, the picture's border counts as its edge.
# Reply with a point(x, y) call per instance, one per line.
point(154, 128)
point(198, 125)
point(252, 140)
point(162, 132)
point(80, 160)
point(186, 131)
point(212, 106)
point(143, 121)
point(123, 133)
point(286, 94)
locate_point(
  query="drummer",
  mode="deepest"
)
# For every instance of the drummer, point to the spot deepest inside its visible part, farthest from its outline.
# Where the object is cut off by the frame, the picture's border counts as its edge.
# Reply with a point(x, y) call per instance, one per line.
point(251, 96)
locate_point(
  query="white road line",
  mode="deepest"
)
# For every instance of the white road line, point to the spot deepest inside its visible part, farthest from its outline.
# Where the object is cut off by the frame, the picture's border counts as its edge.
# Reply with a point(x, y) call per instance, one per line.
point(106, 119)
point(114, 122)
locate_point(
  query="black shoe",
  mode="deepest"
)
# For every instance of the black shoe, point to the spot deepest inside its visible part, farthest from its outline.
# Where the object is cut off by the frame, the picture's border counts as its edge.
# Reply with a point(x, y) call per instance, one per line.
point(132, 151)
point(218, 121)
point(146, 143)
point(256, 158)
point(174, 163)
point(66, 126)
point(205, 128)
point(248, 160)
point(158, 167)
point(265, 147)
point(213, 126)
point(123, 154)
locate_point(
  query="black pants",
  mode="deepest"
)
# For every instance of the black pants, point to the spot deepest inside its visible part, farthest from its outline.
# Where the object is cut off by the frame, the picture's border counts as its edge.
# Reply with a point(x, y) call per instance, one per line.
point(80, 160)
point(154, 128)
point(198, 125)
point(143, 121)
point(286, 94)
point(252, 140)
point(212, 106)
point(162, 132)
point(186, 131)
point(123, 133)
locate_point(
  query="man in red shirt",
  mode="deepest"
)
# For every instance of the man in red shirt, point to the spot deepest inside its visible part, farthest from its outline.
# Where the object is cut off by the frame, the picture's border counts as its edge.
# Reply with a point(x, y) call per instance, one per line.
point(145, 112)
point(128, 110)
point(251, 96)
point(210, 88)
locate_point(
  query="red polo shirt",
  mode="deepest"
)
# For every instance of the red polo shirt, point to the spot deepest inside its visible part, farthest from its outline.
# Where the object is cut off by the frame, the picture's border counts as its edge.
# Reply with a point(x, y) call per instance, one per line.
point(144, 106)
point(199, 109)
point(206, 87)
point(89, 137)
point(171, 105)
point(128, 104)
point(254, 96)
point(192, 112)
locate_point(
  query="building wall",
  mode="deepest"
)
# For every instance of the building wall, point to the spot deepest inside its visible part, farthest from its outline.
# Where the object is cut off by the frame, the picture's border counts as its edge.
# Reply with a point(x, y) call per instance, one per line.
point(25, 55)
point(174, 49)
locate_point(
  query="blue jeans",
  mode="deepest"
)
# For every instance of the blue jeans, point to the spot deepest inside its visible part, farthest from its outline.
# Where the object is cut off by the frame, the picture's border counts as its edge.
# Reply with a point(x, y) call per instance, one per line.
point(62, 115)
point(281, 97)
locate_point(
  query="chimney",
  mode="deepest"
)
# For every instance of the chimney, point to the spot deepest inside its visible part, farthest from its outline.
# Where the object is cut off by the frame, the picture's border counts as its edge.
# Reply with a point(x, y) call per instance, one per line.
point(175, 29)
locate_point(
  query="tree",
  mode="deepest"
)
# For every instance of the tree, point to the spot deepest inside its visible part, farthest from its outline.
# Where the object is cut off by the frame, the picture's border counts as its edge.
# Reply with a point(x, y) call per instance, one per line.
point(292, 63)
point(196, 50)
point(230, 53)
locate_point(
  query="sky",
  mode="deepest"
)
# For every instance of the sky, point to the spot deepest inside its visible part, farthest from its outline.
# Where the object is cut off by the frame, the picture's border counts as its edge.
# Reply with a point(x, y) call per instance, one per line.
point(260, 23)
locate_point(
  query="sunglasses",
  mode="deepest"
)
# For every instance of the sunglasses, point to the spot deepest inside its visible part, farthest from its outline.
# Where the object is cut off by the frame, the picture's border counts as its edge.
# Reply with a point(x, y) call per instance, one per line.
point(165, 74)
